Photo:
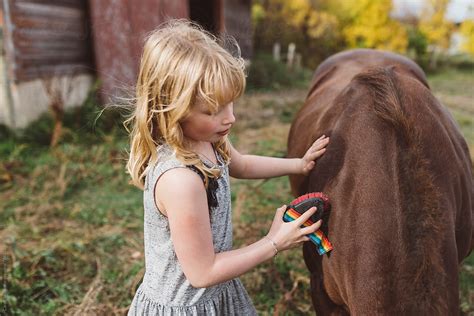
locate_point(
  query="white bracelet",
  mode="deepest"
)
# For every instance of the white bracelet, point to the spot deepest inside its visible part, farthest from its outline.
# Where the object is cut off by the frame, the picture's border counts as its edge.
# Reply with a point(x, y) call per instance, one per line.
point(273, 244)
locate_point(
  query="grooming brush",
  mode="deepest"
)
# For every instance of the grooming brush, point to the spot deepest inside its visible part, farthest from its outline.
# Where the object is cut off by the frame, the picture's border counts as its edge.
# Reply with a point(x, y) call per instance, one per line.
point(302, 204)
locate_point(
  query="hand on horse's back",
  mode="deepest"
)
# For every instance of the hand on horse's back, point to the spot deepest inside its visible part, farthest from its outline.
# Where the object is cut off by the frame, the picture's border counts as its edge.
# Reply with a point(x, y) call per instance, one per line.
point(317, 149)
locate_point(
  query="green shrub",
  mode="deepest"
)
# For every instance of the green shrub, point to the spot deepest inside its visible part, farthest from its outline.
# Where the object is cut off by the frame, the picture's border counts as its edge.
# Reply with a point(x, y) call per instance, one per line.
point(445, 62)
point(417, 42)
point(464, 62)
point(265, 73)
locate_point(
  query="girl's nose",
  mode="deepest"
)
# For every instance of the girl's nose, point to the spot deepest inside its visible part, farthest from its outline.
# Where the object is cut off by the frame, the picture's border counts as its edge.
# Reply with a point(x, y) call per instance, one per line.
point(229, 119)
point(229, 115)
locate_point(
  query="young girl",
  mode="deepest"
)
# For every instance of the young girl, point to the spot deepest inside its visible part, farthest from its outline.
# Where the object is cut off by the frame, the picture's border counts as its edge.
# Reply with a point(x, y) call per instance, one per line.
point(182, 158)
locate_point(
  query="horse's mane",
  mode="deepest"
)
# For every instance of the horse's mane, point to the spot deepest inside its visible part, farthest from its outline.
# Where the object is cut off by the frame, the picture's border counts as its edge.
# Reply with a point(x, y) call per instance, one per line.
point(420, 278)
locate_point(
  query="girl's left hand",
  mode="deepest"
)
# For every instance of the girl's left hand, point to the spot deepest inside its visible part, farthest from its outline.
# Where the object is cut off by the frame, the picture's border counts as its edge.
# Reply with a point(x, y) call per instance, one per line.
point(316, 150)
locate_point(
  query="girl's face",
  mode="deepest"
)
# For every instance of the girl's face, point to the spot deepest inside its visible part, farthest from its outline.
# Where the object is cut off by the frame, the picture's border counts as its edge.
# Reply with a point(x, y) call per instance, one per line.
point(202, 125)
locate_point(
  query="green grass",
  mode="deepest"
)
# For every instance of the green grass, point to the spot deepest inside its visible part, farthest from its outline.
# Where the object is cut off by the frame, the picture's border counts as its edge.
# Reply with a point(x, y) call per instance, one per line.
point(68, 213)
point(71, 225)
point(454, 89)
point(452, 82)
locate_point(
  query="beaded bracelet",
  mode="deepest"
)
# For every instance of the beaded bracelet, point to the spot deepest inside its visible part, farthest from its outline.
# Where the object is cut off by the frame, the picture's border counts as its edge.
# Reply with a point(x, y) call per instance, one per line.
point(273, 244)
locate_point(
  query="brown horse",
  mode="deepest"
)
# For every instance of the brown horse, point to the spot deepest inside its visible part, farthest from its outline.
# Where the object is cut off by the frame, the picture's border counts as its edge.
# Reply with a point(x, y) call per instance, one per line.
point(399, 177)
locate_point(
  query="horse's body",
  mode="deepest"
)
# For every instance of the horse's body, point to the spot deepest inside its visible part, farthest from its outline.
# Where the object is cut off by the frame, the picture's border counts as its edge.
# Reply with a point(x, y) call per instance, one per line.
point(399, 177)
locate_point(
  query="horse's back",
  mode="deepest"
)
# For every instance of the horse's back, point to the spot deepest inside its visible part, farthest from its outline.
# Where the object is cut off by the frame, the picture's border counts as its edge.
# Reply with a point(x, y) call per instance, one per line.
point(398, 173)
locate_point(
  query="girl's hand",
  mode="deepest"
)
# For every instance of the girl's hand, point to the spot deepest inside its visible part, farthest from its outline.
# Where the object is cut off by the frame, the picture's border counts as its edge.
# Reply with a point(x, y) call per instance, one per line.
point(290, 235)
point(316, 150)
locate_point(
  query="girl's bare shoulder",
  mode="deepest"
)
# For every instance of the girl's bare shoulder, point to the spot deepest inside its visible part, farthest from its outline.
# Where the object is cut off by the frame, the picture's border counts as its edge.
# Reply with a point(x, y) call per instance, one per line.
point(179, 183)
point(180, 177)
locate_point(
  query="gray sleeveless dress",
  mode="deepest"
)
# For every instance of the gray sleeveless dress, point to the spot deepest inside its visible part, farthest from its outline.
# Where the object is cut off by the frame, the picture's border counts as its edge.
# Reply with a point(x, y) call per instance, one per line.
point(165, 289)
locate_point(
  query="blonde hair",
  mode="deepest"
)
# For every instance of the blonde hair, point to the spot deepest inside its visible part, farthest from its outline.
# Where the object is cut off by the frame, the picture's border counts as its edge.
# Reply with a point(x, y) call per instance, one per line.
point(181, 63)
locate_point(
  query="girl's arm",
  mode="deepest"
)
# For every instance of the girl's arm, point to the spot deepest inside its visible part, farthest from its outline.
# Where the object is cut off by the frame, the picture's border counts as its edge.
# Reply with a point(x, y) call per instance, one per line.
point(259, 167)
point(188, 216)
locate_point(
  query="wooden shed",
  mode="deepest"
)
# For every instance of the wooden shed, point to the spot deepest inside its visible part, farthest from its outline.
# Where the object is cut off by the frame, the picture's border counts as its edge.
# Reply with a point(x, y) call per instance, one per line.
point(119, 31)
point(66, 45)
point(46, 50)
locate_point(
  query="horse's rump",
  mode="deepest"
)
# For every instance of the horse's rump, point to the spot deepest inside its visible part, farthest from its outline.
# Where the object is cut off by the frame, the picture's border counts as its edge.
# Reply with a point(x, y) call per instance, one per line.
point(395, 217)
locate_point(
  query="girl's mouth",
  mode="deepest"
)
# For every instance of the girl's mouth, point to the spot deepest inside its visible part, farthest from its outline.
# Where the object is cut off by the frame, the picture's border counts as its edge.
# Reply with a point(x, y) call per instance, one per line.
point(224, 132)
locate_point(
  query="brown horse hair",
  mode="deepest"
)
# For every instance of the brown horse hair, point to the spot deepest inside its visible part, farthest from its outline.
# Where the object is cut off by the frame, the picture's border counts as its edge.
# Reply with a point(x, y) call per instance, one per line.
point(421, 280)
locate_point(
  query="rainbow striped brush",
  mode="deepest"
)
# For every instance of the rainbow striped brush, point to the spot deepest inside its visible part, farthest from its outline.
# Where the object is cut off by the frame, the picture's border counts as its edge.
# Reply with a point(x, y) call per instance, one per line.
point(303, 203)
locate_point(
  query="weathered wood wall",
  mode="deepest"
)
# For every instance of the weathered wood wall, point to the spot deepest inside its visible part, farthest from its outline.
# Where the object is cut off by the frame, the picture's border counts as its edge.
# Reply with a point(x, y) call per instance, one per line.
point(237, 21)
point(119, 30)
point(46, 38)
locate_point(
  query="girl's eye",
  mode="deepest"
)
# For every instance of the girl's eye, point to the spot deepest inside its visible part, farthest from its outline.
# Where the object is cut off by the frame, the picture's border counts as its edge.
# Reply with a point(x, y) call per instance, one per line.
point(212, 113)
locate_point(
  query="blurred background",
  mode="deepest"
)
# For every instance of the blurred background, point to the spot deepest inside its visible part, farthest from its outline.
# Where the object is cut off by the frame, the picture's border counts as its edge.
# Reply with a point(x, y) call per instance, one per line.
point(71, 225)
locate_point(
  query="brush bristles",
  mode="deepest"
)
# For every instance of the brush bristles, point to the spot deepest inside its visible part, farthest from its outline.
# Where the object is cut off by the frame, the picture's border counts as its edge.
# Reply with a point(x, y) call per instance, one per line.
point(318, 195)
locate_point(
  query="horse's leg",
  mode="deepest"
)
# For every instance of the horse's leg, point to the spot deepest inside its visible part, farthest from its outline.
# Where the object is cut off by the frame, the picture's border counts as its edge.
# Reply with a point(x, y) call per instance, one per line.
point(322, 303)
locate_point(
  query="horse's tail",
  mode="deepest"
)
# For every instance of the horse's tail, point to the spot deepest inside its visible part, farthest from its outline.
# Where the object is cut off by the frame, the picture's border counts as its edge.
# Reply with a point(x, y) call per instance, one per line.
point(421, 279)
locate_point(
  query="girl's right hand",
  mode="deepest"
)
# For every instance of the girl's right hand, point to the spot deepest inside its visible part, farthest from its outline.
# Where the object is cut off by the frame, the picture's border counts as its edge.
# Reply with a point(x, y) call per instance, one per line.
point(290, 234)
